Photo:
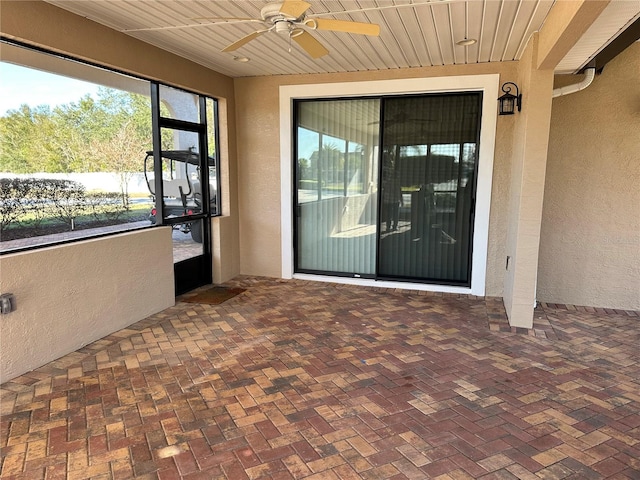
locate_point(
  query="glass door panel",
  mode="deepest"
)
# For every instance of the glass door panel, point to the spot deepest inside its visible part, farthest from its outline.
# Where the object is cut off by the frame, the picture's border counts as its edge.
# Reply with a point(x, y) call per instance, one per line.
point(180, 105)
point(427, 187)
point(184, 194)
point(336, 194)
point(192, 262)
point(187, 240)
point(211, 108)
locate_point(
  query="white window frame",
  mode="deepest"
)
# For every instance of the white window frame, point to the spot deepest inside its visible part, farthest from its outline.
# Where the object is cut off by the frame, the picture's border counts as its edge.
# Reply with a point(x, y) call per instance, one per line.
point(487, 84)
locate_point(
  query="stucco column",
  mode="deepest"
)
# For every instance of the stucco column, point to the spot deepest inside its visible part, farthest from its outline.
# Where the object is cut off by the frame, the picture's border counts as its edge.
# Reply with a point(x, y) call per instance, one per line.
point(528, 167)
point(566, 23)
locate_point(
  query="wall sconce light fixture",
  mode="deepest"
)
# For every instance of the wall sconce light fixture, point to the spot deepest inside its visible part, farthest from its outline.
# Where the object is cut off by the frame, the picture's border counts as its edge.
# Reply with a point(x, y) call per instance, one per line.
point(508, 102)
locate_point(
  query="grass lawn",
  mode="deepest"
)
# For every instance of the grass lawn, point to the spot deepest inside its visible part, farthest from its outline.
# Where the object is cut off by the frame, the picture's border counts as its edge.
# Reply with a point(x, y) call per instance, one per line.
point(30, 226)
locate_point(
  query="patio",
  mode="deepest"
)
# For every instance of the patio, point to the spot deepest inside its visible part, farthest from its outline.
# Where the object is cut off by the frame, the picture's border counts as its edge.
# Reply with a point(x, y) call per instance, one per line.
point(295, 379)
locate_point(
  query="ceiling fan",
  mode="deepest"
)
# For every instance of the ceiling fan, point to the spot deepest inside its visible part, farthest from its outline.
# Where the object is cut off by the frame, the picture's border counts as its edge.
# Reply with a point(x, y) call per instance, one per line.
point(289, 18)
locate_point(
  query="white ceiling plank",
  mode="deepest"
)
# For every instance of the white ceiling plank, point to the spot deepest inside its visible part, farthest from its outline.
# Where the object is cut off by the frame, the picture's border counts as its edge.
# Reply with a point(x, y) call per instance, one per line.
point(400, 20)
point(443, 32)
point(497, 34)
point(512, 26)
point(414, 33)
point(489, 28)
point(426, 22)
point(476, 25)
point(509, 29)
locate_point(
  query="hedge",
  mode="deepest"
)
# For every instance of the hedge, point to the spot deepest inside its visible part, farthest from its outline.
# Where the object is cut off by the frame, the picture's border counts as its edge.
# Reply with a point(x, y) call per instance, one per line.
point(33, 200)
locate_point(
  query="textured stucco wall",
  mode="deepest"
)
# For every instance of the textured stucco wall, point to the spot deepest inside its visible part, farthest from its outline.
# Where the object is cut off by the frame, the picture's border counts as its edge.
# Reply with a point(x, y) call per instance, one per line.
point(71, 295)
point(590, 245)
point(259, 164)
point(528, 166)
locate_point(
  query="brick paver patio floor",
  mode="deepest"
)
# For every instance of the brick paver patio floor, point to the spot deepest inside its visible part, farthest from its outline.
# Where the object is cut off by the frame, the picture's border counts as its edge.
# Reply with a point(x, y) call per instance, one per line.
point(295, 379)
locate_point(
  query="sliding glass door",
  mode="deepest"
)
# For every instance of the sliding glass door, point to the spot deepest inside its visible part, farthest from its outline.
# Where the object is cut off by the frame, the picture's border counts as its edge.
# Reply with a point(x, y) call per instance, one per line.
point(429, 146)
point(386, 186)
point(337, 181)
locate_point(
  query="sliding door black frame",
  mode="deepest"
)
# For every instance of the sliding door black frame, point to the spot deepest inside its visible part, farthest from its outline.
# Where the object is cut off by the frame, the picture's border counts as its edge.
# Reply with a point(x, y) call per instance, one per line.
point(377, 276)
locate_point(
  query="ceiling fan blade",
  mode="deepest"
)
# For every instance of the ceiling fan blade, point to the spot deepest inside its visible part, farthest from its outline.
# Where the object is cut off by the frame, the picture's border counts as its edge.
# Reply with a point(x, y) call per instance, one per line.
point(295, 8)
point(346, 26)
point(246, 39)
point(310, 45)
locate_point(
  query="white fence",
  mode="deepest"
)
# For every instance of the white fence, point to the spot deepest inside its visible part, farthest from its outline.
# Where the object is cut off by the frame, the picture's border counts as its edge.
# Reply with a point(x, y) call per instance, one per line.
point(100, 181)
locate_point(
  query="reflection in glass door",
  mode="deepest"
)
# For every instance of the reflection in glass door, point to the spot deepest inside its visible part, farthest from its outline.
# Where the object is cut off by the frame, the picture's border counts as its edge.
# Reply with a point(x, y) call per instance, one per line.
point(386, 187)
point(429, 146)
point(337, 177)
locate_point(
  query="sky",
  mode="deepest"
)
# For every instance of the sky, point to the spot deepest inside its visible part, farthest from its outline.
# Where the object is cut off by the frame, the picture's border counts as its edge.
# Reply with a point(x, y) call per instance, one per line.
point(20, 85)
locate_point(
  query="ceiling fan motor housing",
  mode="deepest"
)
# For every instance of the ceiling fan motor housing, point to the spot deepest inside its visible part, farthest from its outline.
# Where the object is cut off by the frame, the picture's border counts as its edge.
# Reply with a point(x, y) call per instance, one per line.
point(283, 23)
point(283, 26)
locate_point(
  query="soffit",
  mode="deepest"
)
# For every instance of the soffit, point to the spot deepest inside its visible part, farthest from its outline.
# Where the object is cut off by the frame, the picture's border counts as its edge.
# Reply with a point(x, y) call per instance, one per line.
point(618, 15)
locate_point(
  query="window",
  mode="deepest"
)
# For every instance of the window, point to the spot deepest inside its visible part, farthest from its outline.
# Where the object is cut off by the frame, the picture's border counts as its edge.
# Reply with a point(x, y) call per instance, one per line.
point(73, 144)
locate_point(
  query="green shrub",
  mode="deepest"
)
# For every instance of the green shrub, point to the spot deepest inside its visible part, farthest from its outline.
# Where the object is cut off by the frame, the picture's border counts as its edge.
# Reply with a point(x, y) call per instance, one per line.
point(34, 201)
point(38, 206)
point(105, 205)
point(68, 198)
point(12, 194)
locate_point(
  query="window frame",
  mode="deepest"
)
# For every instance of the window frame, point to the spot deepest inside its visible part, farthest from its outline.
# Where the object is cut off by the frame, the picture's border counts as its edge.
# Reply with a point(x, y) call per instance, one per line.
point(60, 57)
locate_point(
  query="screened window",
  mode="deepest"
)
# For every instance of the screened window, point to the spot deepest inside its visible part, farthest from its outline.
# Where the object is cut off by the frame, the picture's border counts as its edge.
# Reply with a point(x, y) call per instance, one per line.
point(74, 147)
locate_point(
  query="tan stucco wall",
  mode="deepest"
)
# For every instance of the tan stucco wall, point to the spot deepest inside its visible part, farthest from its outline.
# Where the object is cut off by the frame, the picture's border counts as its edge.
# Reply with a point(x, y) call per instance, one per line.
point(259, 164)
point(590, 245)
point(43, 25)
point(528, 167)
point(69, 296)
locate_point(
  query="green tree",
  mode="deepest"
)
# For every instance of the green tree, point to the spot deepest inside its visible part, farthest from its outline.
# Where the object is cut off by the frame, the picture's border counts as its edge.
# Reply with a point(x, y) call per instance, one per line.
point(23, 139)
point(77, 126)
point(122, 153)
point(62, 140)
point(304, 169)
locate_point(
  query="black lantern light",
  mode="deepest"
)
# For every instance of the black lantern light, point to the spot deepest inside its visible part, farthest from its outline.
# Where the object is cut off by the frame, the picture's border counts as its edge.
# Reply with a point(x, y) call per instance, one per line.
point(508, 101)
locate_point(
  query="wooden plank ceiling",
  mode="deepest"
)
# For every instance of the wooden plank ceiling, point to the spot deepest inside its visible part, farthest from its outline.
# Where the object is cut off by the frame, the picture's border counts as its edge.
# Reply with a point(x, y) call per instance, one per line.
point(413, 33)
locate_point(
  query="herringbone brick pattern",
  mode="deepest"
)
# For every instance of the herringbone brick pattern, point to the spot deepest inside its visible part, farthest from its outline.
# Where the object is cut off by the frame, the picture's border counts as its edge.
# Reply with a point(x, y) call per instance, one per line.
point(310, 380)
